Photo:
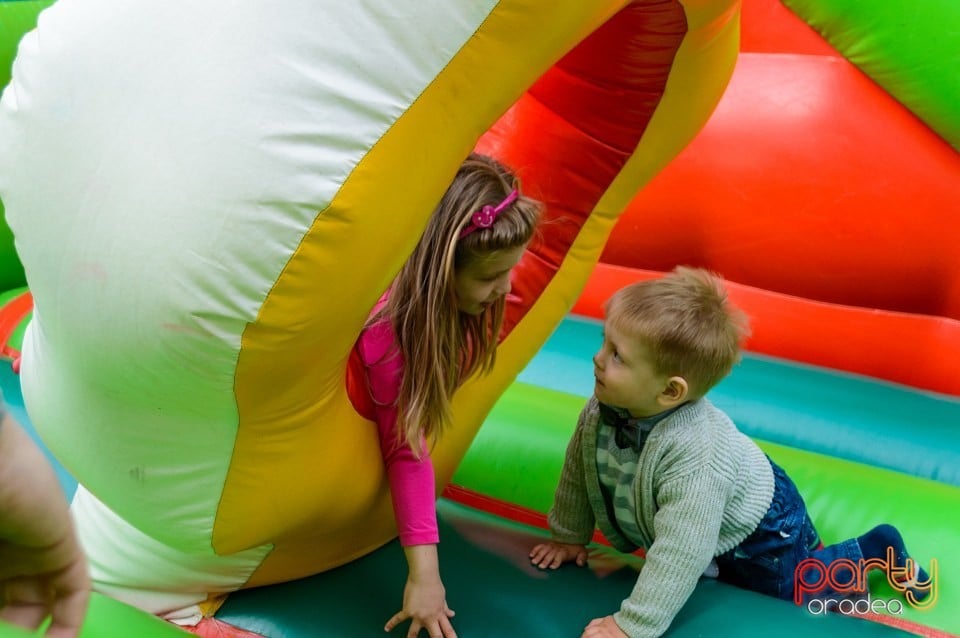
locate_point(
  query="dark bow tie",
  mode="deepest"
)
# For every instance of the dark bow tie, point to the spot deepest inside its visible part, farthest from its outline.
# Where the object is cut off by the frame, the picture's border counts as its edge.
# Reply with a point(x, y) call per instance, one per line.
point(627, 431)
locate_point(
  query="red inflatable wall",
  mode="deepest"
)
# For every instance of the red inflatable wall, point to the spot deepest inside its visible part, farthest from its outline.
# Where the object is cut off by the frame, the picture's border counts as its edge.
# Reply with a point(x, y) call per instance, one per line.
point(834, 210)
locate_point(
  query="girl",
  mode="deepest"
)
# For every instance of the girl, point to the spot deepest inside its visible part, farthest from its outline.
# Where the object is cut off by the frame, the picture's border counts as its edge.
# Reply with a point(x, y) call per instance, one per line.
point(437, 325)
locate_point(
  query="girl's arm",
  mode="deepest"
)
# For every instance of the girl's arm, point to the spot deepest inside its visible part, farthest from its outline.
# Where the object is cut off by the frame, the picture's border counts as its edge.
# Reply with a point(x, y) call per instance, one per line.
point(412, 488)
point(412, 484)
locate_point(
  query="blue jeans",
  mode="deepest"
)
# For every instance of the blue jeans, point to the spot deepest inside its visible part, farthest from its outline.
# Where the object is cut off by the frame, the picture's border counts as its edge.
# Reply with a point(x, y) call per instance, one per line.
point(766, 561)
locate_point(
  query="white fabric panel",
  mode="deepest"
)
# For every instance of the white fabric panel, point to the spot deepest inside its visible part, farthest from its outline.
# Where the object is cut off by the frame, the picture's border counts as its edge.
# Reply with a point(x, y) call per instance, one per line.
point(168, 580)
point(159, 163)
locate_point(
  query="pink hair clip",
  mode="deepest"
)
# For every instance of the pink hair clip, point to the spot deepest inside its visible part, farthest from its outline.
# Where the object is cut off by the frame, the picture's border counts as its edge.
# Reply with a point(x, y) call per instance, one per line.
point(485, 217)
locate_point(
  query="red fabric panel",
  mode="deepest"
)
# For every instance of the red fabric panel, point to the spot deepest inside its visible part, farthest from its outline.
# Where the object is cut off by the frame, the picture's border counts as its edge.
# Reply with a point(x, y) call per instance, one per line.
point(767, 26)
point(581, 122)
point(808, 180)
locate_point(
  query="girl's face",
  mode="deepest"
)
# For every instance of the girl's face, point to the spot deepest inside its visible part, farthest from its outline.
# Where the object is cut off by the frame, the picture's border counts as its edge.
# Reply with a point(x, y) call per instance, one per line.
point(625, 375)
point(481, 281)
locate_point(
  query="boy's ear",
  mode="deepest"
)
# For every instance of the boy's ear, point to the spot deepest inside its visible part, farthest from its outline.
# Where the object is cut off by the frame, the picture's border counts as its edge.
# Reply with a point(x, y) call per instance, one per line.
point(675, 392)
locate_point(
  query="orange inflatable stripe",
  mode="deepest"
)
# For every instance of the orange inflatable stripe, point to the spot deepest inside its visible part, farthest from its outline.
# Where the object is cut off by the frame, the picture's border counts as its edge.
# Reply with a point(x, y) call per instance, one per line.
point(510, 511)
point(914, 350)
point(600, 75)
point(11, 315)
point(909, 626)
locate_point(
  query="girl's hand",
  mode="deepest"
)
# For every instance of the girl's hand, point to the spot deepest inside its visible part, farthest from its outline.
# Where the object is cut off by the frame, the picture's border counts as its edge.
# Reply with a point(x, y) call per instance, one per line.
point(425, 605)
point(553, 555)
point(603, 628)
point(424, 598)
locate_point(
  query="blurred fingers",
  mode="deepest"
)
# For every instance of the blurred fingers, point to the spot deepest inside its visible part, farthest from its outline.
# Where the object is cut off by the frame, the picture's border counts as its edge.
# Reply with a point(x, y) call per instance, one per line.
point(24, 602)
point(447, 629)
point(395, 620)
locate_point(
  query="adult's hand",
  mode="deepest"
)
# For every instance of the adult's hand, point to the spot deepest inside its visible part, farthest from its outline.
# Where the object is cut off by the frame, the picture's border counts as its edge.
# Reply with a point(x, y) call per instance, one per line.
point(43, 571)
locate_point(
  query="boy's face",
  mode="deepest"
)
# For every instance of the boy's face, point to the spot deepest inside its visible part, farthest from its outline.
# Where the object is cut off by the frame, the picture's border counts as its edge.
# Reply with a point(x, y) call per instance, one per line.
point(625, 376)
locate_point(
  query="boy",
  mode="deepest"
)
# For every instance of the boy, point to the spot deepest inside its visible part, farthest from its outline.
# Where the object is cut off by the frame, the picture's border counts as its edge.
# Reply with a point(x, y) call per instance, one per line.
point(656, 465)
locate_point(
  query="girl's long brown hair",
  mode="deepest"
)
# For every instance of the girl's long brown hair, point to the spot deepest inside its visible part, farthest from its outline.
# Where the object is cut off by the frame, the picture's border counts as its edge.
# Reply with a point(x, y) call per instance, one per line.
point(442, 347)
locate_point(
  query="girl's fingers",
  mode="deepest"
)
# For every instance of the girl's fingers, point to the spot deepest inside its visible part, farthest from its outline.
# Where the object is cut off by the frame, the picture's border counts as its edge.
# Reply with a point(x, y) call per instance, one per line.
point(395, 620)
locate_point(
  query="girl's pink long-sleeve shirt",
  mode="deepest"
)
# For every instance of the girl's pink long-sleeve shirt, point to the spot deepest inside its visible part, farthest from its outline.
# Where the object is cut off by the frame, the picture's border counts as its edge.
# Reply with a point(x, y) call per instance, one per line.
point(412, 481)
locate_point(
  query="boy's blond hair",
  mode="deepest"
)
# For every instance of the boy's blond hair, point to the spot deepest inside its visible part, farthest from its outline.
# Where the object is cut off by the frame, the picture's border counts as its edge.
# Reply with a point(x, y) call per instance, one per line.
point(686, 322)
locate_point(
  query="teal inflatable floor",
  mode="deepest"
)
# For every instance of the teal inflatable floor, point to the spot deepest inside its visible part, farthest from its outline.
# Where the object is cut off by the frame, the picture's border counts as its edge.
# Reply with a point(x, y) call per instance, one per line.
point(862, 452)
point(496, 592)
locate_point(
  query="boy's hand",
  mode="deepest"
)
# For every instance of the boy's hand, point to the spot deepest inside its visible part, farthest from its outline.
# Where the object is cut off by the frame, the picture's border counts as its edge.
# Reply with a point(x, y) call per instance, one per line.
point(553, 555)
point(603, 628)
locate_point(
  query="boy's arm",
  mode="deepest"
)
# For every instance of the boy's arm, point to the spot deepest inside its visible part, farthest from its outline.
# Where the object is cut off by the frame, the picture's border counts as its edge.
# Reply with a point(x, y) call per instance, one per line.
point(687, 525)
point(571, 517)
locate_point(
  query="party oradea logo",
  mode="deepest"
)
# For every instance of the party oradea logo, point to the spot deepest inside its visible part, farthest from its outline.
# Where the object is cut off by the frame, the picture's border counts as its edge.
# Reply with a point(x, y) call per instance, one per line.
point(848, 579)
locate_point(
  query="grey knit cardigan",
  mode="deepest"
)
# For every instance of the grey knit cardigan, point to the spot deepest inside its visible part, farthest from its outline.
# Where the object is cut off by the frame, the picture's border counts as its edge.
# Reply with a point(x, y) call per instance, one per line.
point(701, 488)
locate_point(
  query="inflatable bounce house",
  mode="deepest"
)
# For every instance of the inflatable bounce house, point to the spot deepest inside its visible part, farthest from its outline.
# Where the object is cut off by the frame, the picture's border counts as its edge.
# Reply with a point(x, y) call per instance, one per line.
point(204, 205)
